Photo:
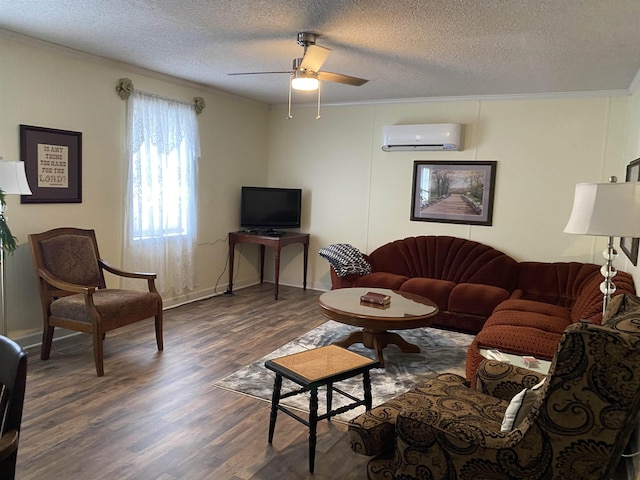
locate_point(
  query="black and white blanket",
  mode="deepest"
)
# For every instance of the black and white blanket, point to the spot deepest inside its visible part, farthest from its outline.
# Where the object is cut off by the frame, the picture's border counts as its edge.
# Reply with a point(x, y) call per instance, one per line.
point(345, 259)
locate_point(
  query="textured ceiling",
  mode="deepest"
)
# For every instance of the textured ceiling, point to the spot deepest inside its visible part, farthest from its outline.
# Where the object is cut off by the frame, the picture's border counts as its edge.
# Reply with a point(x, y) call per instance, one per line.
point(407, 49)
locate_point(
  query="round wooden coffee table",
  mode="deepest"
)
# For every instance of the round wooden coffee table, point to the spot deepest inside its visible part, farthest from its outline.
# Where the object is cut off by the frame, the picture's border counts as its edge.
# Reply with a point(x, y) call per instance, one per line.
point(404, 312)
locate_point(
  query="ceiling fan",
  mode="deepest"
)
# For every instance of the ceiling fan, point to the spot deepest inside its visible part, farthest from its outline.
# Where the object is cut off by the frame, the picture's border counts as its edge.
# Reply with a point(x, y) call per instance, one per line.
point(306, 74)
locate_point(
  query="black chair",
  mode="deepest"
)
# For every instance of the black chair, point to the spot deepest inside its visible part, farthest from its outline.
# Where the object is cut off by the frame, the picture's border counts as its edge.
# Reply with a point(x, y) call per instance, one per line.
point(13, 375)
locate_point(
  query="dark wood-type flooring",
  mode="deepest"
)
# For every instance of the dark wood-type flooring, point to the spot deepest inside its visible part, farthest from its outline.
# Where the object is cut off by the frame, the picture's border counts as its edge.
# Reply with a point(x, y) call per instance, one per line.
point(157, 416)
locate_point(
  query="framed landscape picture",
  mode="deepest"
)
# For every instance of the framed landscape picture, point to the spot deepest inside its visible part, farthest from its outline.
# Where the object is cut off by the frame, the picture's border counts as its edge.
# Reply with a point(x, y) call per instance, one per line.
point(630, 245)
point(453, 192)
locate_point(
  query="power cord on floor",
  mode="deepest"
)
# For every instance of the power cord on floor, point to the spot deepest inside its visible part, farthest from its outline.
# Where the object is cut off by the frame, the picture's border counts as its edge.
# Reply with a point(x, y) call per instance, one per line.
point(226, 263)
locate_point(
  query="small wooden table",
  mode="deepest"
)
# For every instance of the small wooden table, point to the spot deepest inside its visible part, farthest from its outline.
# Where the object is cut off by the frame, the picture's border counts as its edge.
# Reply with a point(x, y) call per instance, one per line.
point(406, 311)
point(311, 369)
point(276, 242)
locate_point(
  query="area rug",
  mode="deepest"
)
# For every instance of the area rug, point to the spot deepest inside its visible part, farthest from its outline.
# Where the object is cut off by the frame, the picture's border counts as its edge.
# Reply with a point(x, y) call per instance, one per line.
point(440, 351)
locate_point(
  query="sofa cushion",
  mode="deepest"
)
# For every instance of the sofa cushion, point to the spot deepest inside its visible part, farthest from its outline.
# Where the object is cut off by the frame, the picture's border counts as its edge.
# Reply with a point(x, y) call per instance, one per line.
point(556, 283)
point(517, 304)
point(522, 340)
point(388, 280)
point(476, 299)
point(437, 291)
point(526, 313)
point(454, 259)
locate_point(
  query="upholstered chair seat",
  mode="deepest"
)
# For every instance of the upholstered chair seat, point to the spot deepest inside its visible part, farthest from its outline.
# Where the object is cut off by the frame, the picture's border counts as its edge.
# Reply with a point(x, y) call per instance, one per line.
point(110, 302)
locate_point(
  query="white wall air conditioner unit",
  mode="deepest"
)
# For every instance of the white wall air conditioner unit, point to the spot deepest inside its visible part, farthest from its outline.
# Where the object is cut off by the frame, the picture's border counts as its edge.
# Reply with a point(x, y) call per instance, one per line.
point(435, 136)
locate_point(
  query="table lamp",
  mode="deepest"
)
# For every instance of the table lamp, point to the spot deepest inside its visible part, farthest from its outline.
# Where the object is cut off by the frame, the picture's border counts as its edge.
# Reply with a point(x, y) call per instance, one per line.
point(13, 181)
point(606, 210)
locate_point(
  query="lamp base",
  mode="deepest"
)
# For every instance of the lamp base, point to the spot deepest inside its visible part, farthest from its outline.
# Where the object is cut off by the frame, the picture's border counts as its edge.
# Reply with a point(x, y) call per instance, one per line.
point(608, 271)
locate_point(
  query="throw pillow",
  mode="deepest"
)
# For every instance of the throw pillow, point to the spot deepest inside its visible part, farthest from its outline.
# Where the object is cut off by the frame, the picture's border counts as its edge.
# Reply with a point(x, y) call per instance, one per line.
point(623, 314)
point(520, 406)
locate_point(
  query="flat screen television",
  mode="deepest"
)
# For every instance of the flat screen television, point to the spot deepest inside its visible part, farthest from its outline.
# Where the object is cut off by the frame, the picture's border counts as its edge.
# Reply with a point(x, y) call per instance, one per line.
point(268, 209)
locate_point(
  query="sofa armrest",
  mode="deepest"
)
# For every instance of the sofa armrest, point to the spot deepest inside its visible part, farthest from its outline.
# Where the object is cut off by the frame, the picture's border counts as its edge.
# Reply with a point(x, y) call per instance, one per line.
point(448, 408)
point(342, 282)
point(503, 380)
point(373, 432)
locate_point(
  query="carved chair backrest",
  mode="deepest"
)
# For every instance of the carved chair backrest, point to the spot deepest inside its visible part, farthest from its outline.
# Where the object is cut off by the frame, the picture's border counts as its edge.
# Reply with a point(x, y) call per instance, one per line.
point(70, 255)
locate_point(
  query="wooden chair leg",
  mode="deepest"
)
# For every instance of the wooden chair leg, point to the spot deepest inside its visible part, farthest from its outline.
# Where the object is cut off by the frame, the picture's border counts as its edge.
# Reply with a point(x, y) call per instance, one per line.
point(98, 354)
point(159, 340)
point(47, 338)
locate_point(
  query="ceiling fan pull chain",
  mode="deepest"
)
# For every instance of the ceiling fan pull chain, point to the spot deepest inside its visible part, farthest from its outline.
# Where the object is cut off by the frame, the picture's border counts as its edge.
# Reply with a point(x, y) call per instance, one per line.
point(289, 117)
point(318, 115)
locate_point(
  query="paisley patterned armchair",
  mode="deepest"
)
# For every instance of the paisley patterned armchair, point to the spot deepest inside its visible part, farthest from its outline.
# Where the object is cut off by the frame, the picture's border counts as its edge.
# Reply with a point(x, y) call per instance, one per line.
point(577, 427)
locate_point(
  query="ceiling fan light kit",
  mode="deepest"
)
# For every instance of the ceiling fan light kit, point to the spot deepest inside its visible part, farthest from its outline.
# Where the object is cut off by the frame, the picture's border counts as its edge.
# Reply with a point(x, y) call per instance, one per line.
point(304, 80)
point(306, 75)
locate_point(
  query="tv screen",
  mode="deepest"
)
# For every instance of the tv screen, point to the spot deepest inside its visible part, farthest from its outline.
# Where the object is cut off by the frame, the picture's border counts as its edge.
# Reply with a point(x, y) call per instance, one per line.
point(263, 208)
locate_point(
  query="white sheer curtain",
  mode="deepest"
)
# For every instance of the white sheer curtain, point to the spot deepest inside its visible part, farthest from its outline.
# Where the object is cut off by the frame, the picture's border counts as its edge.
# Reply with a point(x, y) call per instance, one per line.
point(160, 218)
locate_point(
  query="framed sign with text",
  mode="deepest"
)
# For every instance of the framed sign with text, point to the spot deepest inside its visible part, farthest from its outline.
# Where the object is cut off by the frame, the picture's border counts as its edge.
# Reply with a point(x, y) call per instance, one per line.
point(53, 164)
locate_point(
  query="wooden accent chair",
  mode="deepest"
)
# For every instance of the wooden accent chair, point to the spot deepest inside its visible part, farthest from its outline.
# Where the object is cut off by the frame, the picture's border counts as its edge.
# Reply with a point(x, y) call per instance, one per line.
point(74, 294)
point(573, 426)
point(13, 377)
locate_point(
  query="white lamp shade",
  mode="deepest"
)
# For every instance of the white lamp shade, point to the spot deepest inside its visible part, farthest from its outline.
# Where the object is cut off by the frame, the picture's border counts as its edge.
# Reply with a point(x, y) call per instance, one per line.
point(13, 180)
point(606, 209)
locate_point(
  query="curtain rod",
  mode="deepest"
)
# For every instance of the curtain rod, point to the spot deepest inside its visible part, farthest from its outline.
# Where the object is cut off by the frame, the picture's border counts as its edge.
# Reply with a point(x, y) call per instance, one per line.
point(125, 89)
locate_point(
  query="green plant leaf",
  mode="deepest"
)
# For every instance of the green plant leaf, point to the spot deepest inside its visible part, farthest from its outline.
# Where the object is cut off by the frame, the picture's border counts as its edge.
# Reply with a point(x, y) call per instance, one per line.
point(9, 242)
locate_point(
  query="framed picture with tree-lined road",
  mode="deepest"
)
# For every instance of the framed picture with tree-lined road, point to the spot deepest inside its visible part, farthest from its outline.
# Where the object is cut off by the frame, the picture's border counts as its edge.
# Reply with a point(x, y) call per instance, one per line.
point(453, 192)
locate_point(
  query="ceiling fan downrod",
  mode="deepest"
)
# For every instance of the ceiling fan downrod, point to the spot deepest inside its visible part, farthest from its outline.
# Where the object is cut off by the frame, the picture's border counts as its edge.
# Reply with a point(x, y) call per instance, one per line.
point(306, 39)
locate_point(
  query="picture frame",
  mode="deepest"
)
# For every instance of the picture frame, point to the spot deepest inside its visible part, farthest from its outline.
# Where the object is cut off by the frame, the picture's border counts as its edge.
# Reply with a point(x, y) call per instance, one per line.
point(453, 191)
point(53, 164)
point(629, 245)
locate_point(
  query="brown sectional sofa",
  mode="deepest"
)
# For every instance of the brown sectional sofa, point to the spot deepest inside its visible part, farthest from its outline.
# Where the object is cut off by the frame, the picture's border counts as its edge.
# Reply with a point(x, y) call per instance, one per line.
point(516, 307)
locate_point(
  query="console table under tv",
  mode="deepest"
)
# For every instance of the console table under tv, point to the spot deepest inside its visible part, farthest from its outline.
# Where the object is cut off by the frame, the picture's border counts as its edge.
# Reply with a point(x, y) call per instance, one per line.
point(266, 240)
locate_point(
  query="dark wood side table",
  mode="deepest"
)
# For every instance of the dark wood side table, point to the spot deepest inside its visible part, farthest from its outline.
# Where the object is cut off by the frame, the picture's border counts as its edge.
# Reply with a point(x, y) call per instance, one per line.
point(275, 242)
point(311, 369)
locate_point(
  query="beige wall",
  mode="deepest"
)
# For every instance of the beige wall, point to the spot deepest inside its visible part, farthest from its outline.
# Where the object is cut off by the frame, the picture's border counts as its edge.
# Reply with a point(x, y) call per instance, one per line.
point(51, 87)
point(353, 192)
point(358, 194)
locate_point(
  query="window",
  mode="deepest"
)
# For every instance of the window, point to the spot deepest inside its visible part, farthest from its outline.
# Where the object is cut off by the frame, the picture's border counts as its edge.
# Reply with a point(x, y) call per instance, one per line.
point(160, 231)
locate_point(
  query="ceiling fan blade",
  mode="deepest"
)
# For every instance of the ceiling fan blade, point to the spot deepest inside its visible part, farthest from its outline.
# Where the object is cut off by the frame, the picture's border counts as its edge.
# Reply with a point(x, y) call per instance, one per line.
point(314, 57)
point(339, 78)
point(257, 73)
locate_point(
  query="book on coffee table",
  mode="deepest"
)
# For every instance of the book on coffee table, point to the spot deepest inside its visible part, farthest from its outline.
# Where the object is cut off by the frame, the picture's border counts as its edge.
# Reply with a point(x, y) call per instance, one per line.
point(375, 298)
